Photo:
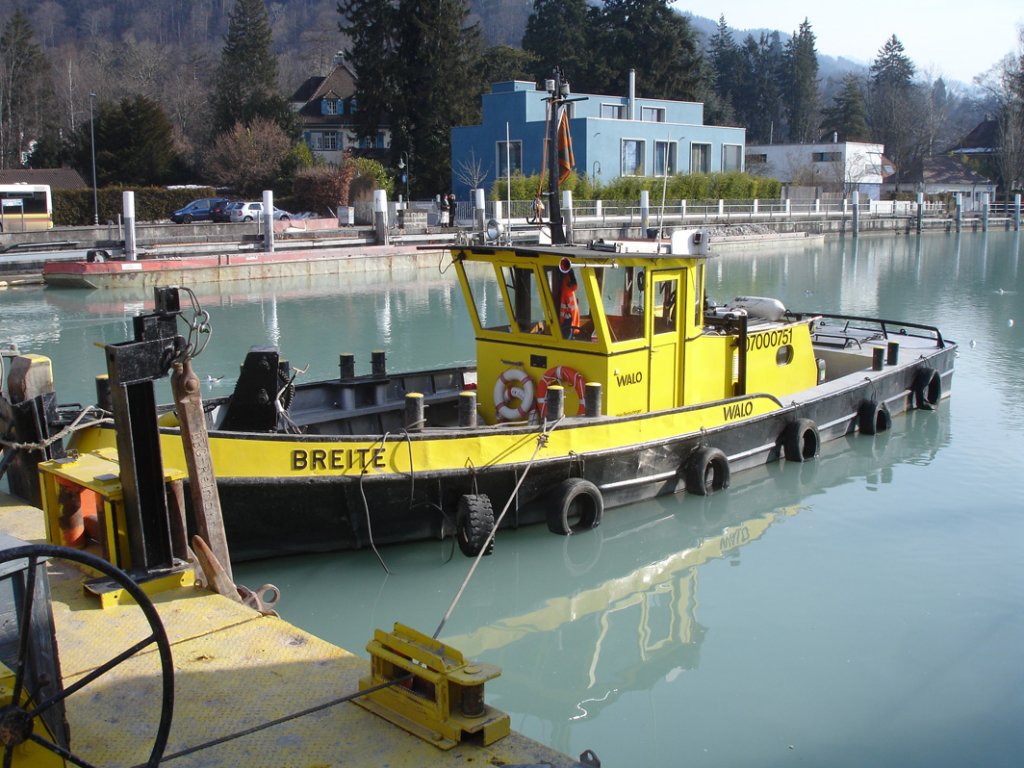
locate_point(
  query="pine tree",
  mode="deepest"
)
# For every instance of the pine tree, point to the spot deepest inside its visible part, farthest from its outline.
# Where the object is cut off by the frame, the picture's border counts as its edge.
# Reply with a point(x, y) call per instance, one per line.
point(893, 102)
point(371, 26)
point(758, 104)
point(846, 117)
point(439, 55)
point(25, 90)
point(246, 83)
point(724, 58)
point(656, 41)
point(134, 143)
point(559, 33)
point(800, 88)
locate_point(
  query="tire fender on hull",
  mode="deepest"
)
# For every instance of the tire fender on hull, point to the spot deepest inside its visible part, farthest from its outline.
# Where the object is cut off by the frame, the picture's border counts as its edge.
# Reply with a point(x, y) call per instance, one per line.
point(873, 417)
point(576, 505)
point(800, 440)
point(927, 389)
point(706, 470)
point(474, 520)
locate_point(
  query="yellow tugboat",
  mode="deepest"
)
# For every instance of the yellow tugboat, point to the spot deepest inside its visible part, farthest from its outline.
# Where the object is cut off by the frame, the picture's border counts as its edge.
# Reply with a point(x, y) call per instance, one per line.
point(604, 377)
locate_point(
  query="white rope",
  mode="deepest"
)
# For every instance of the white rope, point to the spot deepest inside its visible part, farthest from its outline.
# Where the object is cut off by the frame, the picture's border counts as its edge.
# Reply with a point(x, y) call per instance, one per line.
point(542, 440)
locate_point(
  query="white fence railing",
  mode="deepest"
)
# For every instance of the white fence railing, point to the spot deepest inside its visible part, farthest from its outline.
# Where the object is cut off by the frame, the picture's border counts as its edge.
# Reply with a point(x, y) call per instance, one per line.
point(630, 213)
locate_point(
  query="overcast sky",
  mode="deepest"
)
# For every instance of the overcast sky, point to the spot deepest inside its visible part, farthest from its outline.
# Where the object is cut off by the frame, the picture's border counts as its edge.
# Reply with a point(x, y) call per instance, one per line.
point(957, 40)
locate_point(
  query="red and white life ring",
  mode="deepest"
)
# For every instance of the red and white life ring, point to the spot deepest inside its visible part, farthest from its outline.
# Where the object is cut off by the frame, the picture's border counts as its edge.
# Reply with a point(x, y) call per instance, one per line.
point(513, 395)
point(566, 376)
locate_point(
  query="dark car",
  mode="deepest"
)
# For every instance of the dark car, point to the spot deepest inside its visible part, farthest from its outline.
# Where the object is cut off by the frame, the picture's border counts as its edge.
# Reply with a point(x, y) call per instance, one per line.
point(219, 211)
point(197, 210)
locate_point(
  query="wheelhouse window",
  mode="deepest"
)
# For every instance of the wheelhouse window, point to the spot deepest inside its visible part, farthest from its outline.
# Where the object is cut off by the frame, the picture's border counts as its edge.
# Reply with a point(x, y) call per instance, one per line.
point(613, 111)
point(731, 154)
point(665, 158)
point(524, 300)
point(700, 158)
point(622, 295)
point(633, 157)
point(665, 304)
point(826, 157)
point(487, 301)
point(561, 286)
point(510, 157)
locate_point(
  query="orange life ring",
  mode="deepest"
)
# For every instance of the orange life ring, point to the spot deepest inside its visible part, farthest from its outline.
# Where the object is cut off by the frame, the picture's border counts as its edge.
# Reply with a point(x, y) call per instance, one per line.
point(513, 386)
point(567, 376)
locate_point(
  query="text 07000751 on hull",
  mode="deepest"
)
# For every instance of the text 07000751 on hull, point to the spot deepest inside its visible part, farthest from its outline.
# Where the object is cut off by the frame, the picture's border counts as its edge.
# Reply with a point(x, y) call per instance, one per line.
point(603, 377)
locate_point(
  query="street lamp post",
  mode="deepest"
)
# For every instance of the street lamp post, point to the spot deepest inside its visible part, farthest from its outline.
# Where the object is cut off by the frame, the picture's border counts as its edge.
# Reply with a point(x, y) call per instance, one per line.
point(92, 143)
point(403, 166)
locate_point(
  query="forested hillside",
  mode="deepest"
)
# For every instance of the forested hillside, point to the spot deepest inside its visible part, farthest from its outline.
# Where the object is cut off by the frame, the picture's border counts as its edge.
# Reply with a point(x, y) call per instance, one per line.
point(163, 68)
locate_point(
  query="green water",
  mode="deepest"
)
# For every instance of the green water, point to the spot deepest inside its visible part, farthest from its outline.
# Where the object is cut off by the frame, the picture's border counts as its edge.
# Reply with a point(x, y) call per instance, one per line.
point(863, 609)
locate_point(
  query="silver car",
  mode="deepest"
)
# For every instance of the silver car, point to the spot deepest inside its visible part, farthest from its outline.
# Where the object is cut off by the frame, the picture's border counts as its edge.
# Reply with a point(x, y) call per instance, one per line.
point(253, 212)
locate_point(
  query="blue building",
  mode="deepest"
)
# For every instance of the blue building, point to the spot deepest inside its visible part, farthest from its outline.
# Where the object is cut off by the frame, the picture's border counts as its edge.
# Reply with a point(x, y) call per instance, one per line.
point(612, 136)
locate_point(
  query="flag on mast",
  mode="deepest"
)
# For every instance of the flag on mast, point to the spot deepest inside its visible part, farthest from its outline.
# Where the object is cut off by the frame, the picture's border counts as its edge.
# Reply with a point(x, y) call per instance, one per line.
point(565, 157)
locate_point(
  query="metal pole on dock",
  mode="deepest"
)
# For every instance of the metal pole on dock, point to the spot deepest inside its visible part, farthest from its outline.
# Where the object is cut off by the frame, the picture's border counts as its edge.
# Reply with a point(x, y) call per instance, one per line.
point(268, 220)
point(959, 210)
point(984, 212)
point(128, 205)
point(1016, 212)
point(920, 211)
point(856, 213)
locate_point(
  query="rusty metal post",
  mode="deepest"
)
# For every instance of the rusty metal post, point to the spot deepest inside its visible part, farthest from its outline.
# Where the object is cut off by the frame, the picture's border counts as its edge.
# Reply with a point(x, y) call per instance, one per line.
point(188, 403)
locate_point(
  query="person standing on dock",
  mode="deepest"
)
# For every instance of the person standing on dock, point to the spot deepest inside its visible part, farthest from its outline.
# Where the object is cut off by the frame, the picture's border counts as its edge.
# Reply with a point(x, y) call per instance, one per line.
point(442, 208)
point(451, 209)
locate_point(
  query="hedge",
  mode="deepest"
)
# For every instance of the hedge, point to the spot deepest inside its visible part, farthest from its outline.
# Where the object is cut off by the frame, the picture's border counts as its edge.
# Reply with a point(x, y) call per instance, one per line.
point(74, 207)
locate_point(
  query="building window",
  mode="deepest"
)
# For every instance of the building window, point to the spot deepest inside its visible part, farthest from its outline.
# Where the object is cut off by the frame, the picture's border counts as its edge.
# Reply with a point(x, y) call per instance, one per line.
point(731, 154)
point(700, 158)
point(757, 159)
point(826, 157)
point(633, 157)
point(510, 157)
point(352, 105)
point(652, 114)
point(665, 158)
point(613, 111)
point(323, 141)
point(330, 107)
point(381, 140)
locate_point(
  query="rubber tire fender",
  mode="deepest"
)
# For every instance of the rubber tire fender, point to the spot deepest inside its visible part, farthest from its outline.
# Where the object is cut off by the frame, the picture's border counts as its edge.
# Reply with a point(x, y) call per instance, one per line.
point(800, 440)
point(873, 417)
point(577, 505)
point(474, 520)
point(706, 470)
point(927, 389)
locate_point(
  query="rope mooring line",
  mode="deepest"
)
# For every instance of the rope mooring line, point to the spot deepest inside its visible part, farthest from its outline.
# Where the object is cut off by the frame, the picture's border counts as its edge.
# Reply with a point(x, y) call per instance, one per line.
point(74, 426)
point(263, 726)
point(542, 440)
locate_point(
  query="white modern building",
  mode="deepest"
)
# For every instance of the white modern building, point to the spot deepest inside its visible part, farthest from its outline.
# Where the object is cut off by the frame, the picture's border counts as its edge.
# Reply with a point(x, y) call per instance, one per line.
point(841, 167)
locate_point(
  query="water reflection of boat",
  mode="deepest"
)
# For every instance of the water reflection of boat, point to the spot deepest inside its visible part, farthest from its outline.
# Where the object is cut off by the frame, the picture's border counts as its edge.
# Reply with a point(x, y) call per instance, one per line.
point(604, 633)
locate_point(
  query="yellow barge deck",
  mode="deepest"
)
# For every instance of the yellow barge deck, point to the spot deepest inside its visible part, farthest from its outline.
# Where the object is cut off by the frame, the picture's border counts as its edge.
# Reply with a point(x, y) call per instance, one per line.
point(234, 670)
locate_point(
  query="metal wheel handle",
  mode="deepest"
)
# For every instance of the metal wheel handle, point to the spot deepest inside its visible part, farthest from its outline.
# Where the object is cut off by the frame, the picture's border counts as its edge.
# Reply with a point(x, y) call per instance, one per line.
point(16, 721)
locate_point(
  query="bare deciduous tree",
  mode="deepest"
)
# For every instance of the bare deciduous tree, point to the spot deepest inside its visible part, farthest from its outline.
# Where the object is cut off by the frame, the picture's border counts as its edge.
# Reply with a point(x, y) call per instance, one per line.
point(248, 158)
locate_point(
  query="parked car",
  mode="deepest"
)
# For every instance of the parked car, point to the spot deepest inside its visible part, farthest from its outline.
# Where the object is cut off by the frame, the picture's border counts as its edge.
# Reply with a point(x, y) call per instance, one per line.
point(197, 210)
point(219, 211)
point(253, 211)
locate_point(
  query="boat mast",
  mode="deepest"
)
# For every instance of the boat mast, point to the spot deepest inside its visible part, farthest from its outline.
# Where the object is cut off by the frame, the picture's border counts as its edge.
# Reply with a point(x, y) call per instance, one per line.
point(558, 92)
